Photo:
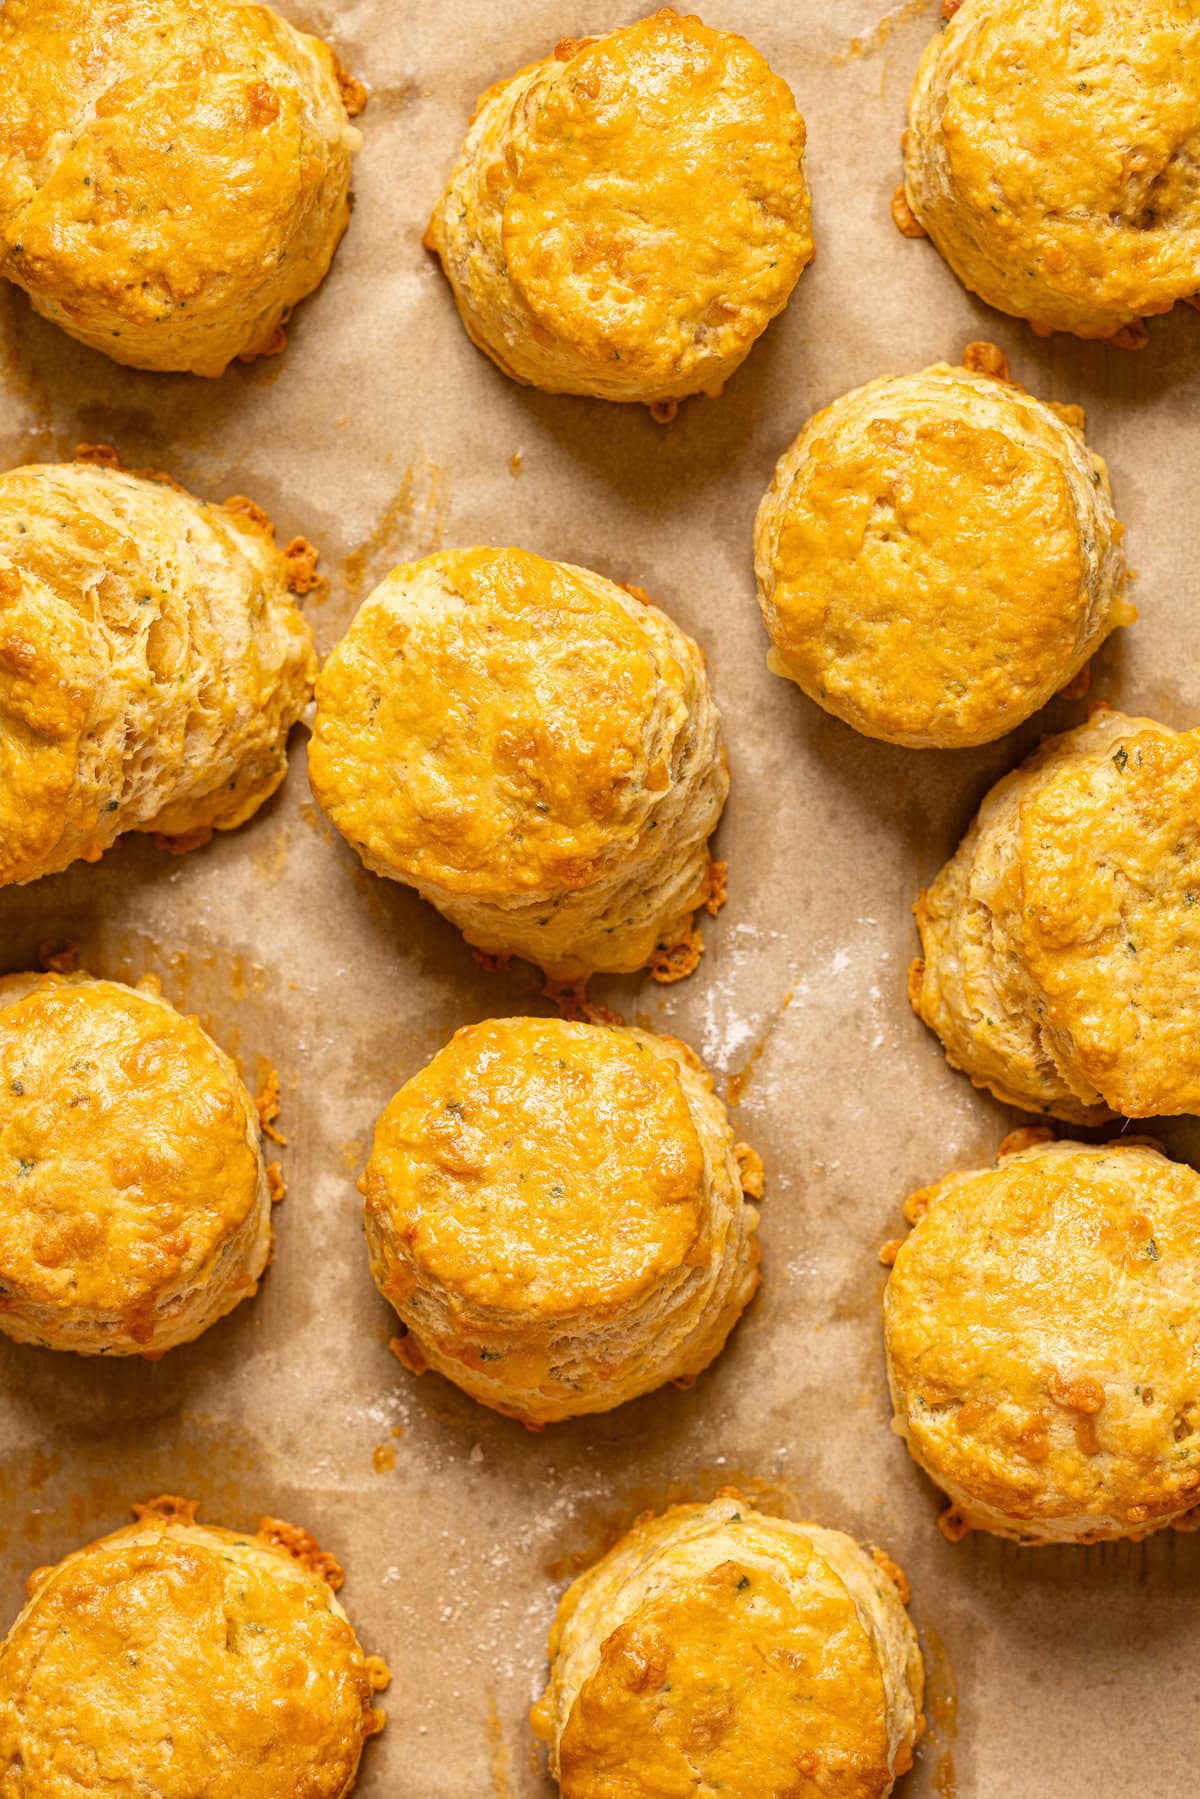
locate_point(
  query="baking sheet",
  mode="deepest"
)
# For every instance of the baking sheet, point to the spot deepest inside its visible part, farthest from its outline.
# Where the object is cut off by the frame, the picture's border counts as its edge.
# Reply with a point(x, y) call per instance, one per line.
point(381, 434)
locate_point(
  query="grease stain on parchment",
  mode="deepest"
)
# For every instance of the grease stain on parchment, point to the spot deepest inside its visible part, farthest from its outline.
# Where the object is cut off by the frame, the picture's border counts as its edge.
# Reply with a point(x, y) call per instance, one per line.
point(411, 525)
point(498, 1757)
point(867, 42)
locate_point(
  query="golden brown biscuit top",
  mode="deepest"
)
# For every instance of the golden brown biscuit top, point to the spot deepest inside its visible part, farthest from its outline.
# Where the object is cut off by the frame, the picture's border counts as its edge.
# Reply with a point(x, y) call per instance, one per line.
point(754, 1678)
point(160, 153)
point(542, 1167)
point(484, 723)
point(178, 1659)
point(1110, 858)
point(928, 571)
point(1044, 1324)
point(658, 195)
point(1053, 149)
point(125, 1154)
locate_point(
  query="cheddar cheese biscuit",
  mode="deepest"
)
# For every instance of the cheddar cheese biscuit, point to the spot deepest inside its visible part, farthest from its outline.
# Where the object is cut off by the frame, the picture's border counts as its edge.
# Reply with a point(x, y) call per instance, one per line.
point(1043, 1333)
point(556, 1213)
point(628, 215)
point(716, 1650)
point(532, 748)
point(134, 1203)
point(1050, 155)
point(1062, 941)
point(174, 1658)
point(152, 662)
point(174, 174)
point(937, 555)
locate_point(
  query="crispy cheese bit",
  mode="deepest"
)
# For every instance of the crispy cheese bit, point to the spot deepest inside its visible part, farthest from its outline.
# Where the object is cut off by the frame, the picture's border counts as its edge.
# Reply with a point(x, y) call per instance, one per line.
point(168, 1508)
point(983, 358)
point(184, 842)
point(276, 1183)
point(493, 961)
point(890, 1251)
point(303, 1548)
point(671, 962)
point(266, 1104)
point(903, 217)
point(895, 1574)
point(750, 1170)
point(408, 1354)
point(62, 958)
point(715, 887)
point(953, 1525)
point(301, 558)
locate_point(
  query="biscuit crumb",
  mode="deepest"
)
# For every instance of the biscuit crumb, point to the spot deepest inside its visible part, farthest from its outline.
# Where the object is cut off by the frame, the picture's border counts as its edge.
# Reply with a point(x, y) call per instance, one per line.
point(983, 358)
point(303, 1548)
point(953, 1525)
point(904, 218)
point(715, 887)
point(266, 1104)
point(671, 962)
point(301, 558)
point(750, 1170)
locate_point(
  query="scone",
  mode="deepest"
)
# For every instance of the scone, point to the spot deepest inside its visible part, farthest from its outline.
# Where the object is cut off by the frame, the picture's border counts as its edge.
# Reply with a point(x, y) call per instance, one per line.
point(556, 1212)
point(174, 174)
point(716, 1650)
point(1062, 941)
point(535, 750)
point(628, 215)
point(1051, 154)
point(937, 555)
point(1043, 1335)
point(135, 1208)
point(152, 662)
point(177, 1659)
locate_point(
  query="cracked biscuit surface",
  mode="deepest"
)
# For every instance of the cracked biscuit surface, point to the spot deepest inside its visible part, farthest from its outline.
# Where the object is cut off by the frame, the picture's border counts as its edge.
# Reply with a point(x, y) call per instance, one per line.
point(174, 174)
point(1053, 156)
point(135, 1207)
point(937, 555)
point(628, 215)
point(152, 662)
point(556, 1212)
point(534, 749)
point(718, 1650)
point(1061, 942)
point(173, 1659)
point(1042, 1323)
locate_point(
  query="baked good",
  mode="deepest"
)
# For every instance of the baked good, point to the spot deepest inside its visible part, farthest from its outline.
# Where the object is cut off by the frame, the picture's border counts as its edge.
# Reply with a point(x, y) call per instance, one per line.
point(556, 1212)
point(1042, 1324)
point(174, 174)
point(152, 662)
point(174, 1658)
point(1051, 153)
point(135, 1208)
point(535, 750)
point(716, 1650)
point(1062, 941)
point(629, 214)
point(937, 555)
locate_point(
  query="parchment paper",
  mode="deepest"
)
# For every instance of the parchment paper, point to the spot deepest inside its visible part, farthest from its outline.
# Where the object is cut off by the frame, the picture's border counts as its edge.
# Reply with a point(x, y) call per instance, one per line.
point(382, 434)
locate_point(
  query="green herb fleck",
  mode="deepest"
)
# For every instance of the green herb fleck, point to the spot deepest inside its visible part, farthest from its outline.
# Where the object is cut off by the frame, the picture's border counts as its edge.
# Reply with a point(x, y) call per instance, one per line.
point(743, 1583)
point(1121, 757)
point(1152, 1251)
point(1131, 949)
point(489, 1355)
point(24, 1165)
point(18, 1087)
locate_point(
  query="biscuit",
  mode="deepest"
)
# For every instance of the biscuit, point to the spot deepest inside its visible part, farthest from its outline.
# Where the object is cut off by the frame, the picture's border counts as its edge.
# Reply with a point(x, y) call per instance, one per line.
point(937, 555)
point(1042, 1324)
point(152, 662)
point(173, 1658)
point(1051, 155)
point(532, 748)
point(1062, 940)
point(174, 175)
point(556, 1213)
point(628, 215)
point(718, 1650)
point(135, 1208)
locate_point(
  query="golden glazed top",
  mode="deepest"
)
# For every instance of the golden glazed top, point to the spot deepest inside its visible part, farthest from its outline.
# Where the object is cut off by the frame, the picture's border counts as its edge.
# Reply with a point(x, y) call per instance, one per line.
point(542, 1168)
point(657, 212)
point(496, 724)
point(177, 1659)
point(1110, 864)
point(170, 170)
point(1062, 172)
point(127, 1153)
point(1043, 1327)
